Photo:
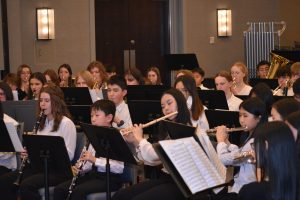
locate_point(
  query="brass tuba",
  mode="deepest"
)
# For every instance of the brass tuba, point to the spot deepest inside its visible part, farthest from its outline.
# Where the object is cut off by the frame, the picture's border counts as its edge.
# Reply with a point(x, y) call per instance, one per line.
point(276, 62)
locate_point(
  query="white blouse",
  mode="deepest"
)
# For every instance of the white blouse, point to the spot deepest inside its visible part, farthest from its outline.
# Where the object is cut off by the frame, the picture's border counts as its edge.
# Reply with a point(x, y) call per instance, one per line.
point(122, 112)
point(234, 103)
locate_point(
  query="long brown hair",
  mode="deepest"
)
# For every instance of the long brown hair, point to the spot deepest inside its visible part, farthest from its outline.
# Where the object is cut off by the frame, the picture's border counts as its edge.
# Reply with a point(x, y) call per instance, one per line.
point(58, 106)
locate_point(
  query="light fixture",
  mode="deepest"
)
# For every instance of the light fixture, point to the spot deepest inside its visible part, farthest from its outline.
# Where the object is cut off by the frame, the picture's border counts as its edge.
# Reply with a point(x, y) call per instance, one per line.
point(224, 22)
point(45, 23)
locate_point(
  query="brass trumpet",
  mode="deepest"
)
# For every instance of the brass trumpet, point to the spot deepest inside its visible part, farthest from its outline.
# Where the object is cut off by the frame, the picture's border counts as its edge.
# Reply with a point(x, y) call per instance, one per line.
point(129, 130)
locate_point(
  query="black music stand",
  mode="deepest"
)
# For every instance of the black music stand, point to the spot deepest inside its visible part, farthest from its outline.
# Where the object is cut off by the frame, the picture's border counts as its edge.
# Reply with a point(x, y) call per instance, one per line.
point(6, 143)
point(209, 83)
point(213, 99)
point(22, 111)
point(272, 83)
point(77, 95)
point(145, 92)
point(80, 113)
point(181, 61)
point(177, 130)
point(48, 153)
point(109, 144)
point(230, 119)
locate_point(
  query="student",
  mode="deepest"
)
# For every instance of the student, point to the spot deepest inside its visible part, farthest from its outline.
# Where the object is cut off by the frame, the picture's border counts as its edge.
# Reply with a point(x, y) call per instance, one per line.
point(296, 90)
point(187, 86)
point(223, 81)
point(12, 80)
point(55, 123)
point(284, 81)
point(282, 108)
point(239, 73)
point(153, 75)
point(278, 164)
point(23, 73)
point(51, 77)
point(90, 180)
point(5, 92)
point(37, 81)
point(264, 92)
point(65, 76)
point(97, 69)
point(164, 187)
point(110, 70)
point(182, 72)
point(252, 114)
point(262, 69)
point(116, 91)
point(198, 74)
point(134, 76)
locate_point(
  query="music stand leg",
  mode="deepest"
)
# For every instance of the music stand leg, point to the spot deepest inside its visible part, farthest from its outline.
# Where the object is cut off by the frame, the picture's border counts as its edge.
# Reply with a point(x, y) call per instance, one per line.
point(45, 155)
point(108, 195)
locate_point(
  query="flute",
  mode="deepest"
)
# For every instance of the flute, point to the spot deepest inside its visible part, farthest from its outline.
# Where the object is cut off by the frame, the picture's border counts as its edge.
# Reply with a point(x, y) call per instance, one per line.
point(129, 130)
point(228, 130)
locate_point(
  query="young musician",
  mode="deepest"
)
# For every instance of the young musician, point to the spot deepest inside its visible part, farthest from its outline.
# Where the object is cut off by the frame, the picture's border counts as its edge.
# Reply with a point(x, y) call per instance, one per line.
point(198, 74)
point(293, 121)
point(55, 123)
point(37, 81)
point(23, 73)
point(134, 76)
point(97, 69)
point(262, 69)
point(116, 91)
point(252, 113)
point(94, 180)
point(264, 92)
point(187, 86)
point(278, 163)
point(296, 89)
point(153, 74)
point(65, 76)
point(164, 187)
point(239, 73)
point(223, 81)
point(284, 82)
point(282, 108)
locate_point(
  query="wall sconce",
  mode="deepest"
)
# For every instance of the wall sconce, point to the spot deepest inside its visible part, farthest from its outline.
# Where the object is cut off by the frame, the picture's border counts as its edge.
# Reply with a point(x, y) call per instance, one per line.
point(224, 22)
point(45, 23)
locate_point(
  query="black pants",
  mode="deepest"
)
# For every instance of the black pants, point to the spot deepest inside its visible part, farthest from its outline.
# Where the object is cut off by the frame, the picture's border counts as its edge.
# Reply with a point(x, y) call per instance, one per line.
point(92, 182)
point(4, 170)
point(162, 188)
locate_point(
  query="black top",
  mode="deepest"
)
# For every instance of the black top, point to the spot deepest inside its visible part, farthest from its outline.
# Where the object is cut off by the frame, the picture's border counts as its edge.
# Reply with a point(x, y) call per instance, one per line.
point(255, 190)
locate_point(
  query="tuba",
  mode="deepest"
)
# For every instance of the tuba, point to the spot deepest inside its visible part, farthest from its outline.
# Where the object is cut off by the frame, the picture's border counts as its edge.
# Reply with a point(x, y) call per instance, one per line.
point(276, 62)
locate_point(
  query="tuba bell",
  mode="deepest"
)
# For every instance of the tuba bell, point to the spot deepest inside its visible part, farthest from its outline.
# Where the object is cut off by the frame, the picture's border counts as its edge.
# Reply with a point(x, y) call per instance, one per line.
point(277, 61)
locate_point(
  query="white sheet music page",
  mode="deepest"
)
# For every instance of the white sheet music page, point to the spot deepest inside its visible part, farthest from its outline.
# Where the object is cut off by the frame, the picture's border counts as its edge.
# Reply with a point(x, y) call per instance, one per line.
point(14, 136)
point(183, 162)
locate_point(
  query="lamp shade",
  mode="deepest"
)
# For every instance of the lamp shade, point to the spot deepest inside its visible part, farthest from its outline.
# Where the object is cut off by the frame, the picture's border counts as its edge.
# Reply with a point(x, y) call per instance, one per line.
point(45, 23)
point(224, 22)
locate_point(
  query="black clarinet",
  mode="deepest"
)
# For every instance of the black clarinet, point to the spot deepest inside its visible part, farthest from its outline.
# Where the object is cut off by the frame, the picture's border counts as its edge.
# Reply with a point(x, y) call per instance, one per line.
point(81, 164)
point(25, 159)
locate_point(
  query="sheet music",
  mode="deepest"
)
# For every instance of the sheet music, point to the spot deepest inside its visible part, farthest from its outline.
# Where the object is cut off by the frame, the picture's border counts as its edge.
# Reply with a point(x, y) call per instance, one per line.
point(192, 164)
point(14, 136)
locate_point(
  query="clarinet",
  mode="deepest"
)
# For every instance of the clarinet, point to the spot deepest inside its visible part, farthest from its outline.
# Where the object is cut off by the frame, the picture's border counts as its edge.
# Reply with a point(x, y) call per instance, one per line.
point(25, 159)
point(80, 164)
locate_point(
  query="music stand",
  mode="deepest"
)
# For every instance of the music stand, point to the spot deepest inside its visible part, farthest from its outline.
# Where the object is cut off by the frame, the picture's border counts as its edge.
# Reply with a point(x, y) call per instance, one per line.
point(77, 95)
point(6, 142)
point(209, 83)
point(177, 130)
point(145, 92)
point(230, 119)
point(80, 113)
point(22, 111)
point(109, 144)
point(213, 99)
point(48, 153)
point(272, 83)
point(181, 61)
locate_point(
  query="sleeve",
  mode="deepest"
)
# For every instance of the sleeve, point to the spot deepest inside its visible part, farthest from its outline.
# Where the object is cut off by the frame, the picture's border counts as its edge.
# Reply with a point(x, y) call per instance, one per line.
point(69, 134)
point(146, 152)
point(227, 153)
point(115, 166)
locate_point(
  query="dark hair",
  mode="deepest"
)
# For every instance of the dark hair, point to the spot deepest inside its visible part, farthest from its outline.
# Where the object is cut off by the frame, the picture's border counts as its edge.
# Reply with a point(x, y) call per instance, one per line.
point(58, 106)
point(283, 71)
point(199, 70)
point(183, 115)
point(264, 92)
point(68, 67)
point(263, 62)
point(256, 107)
point(296, 87)
point(11, 78)
point(117, 80)
point(39, 76)
point(275, 147)
point(19, 71)
point(157, 72)
point(7, 91)
point(110, 68)
point(136, 73)
point(286, 106)
point(53, 76)
point(190, 85)
point(294, 120)
point(107, 106)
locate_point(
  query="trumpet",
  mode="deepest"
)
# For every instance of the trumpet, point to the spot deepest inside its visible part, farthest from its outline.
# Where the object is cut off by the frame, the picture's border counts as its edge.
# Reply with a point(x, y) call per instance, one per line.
point(129, 130)
point(284, 86)
point(213, 131)
point(246, 155)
